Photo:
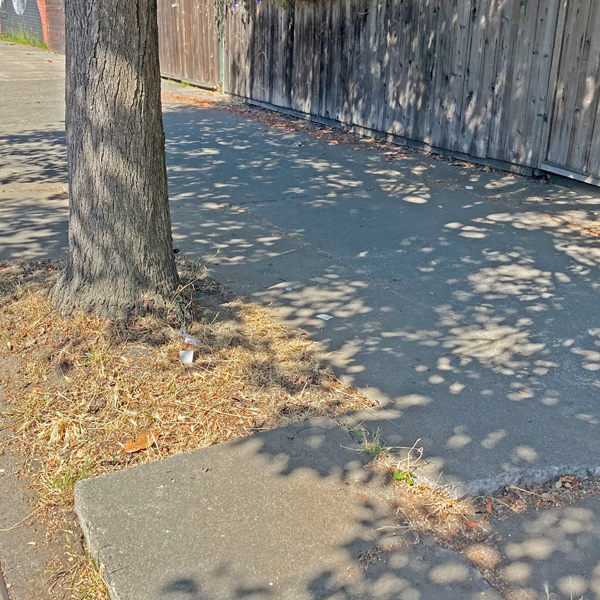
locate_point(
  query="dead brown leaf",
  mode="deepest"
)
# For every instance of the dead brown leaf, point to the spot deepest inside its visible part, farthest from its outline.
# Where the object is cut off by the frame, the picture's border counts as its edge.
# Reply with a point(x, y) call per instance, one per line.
point(142, 442)
point(489, 506)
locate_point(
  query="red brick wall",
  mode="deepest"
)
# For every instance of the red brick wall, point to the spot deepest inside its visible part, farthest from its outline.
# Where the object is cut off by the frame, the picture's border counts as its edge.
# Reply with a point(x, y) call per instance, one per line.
point(54, 32)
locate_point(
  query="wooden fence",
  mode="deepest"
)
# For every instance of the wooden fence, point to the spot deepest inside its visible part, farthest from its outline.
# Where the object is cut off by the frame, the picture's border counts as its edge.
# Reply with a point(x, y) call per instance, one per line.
point(188, 42)
point(514, 81)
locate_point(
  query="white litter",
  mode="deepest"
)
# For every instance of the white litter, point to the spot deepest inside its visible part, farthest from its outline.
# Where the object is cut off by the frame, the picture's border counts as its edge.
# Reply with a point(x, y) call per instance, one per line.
point(468, 187)
point(297, 144)
point(288, 289)
point(186, 357)
point(324, 317)
point(188, 339)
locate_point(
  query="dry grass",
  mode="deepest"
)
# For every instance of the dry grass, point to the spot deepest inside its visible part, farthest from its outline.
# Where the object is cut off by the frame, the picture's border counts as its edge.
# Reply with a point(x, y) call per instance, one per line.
point(80, 574)
point(424, 510)
point(79, 388)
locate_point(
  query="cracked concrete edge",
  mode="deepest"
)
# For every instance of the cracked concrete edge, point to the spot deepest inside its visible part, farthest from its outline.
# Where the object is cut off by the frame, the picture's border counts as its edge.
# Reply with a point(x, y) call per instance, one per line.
point(92, 546)
point(492, 483)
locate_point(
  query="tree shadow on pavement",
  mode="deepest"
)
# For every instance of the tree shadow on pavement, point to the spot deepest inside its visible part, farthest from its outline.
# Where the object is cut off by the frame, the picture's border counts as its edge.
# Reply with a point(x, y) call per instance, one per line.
point(33, 159)
point(466, 313)
point(33, 196)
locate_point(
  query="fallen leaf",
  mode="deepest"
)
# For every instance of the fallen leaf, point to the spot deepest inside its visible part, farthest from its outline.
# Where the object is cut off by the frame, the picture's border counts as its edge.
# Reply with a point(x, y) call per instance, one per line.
point(143, 441)
point(489, 506)
point(548, 497)
point(472, 524)
point(569, 481)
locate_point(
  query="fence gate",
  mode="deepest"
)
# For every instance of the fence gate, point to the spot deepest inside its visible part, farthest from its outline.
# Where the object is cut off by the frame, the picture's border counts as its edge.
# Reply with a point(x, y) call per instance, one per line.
point(188, 41)
point(574, 125)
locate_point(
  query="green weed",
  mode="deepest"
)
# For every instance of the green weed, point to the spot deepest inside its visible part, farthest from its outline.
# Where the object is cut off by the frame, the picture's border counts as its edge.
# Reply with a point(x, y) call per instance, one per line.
point(371, 443)
point(59, 489)
point(21, 35)
point(406, 476)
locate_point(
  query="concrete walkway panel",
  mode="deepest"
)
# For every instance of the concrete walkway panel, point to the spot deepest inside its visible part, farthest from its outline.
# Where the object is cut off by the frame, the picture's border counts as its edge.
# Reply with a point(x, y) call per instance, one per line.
point(283, 515)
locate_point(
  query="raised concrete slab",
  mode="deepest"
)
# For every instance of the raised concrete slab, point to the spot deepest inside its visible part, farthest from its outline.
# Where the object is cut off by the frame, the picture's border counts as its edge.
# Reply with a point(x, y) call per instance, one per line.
point(553, 554)
point(283, 515)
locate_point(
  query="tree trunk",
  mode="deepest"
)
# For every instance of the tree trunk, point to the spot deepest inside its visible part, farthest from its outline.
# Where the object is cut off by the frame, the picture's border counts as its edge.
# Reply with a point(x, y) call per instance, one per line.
point(120, 243)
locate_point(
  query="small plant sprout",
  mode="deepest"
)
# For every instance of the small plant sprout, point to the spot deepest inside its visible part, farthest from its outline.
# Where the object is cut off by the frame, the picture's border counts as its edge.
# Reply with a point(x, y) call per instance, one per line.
point(404, 476)
point(371, 444)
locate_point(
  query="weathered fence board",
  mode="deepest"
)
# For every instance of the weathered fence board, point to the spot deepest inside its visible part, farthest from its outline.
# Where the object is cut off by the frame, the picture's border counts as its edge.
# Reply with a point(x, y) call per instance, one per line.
point(188, 41)
point(574, 142)
point(464, 75)
point(568, 80)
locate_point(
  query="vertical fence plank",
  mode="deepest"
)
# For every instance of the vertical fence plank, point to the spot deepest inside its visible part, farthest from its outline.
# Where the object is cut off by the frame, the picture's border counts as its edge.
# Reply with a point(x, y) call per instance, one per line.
point(584, 117)
point(567, 83)
point(535, 117)
point(474, 74)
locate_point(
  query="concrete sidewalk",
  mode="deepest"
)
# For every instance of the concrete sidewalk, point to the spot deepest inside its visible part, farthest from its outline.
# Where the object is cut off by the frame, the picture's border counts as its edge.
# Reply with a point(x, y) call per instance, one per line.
point(468, 313)
point(285, 515)
point(33, 165)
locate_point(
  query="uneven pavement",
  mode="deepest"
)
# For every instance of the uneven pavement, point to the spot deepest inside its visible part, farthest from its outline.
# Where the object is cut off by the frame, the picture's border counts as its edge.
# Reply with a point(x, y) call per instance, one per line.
point(283, 515)
point(467, 313)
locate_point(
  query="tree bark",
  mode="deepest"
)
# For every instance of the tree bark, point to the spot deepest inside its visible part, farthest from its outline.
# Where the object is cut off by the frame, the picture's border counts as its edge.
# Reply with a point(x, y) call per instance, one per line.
point(120, 257)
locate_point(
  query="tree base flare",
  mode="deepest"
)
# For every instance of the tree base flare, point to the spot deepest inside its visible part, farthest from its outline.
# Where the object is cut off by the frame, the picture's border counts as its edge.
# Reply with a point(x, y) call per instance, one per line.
point(115, 301)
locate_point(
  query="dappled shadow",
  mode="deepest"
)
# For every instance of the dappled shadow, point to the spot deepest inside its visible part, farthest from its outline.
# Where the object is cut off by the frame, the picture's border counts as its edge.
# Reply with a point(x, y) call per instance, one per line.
point(467, 77)
point(33, 225)
point(33, 197)
point(34, 159)
point(554, 552)
point(465, 312)
point(290, 513)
